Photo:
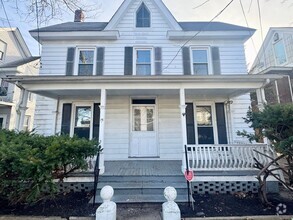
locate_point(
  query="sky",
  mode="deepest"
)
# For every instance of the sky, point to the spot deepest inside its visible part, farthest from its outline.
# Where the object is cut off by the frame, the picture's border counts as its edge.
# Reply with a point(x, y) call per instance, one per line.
point(274, 13)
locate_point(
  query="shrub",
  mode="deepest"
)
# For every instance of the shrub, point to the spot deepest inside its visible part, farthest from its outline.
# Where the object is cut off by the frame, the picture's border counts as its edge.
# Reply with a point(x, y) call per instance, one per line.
point(30, 163)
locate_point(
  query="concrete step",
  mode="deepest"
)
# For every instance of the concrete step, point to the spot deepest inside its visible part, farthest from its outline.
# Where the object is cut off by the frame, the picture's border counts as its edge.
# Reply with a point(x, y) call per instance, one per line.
point(142, 198)
point(168, 178)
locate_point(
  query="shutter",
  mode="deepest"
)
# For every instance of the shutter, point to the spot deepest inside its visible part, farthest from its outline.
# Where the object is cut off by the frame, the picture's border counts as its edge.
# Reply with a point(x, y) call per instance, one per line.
point(128, 61)
point(158, 61)
point(221, 123)
point(100, 61)
point(190, 132)
point(66, 118)
point(216, 61)
point(70, 61)
point(186, 61)
point(96, 121)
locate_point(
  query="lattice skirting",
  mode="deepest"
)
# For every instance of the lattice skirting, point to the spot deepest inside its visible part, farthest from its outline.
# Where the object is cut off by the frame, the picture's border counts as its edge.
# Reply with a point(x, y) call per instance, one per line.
point(75, 186)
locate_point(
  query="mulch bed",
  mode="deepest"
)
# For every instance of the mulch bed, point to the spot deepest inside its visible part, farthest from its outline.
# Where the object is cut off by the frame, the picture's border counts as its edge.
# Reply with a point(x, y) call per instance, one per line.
point(76, 204)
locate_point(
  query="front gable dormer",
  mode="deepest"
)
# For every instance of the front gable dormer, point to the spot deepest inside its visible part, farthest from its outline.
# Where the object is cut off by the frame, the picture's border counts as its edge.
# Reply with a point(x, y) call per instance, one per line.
point(143, 14)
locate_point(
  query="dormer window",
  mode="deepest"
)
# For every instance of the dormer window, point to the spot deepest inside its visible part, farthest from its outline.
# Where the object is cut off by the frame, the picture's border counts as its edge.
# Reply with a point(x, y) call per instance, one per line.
point(143, 16)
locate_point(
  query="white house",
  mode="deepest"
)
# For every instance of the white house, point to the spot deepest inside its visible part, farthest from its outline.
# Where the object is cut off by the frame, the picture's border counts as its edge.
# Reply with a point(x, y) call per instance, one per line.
point(145, 86)
point(15, 59)
point(276, 56)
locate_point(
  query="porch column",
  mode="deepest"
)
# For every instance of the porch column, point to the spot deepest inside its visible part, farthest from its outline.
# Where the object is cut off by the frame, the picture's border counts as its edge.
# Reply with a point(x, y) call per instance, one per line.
point(21, 109)
point(102, 128)
point(261, 99)
point(183, 127)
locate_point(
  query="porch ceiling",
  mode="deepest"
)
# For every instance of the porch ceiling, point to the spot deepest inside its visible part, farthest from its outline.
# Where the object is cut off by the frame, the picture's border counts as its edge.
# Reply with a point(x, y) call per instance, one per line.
point(225, 86)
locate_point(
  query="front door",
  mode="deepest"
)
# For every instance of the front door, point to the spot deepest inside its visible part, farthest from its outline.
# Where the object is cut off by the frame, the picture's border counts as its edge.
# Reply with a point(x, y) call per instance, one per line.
point(143, 132)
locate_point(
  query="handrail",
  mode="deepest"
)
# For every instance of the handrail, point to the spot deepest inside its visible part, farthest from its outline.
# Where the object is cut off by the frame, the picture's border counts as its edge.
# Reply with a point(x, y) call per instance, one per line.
point(96, 176)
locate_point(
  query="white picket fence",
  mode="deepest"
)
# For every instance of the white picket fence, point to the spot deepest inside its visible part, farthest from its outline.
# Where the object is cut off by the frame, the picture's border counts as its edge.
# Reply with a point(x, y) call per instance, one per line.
point(226, 157)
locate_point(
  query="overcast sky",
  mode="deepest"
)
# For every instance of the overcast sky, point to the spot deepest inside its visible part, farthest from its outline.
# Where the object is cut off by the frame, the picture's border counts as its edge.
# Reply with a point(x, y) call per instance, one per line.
point(274, 13)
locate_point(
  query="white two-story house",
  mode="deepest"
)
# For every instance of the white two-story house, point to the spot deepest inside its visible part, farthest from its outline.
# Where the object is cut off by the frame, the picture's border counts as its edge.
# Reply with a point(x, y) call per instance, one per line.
point(146, 86)
point(15, 59)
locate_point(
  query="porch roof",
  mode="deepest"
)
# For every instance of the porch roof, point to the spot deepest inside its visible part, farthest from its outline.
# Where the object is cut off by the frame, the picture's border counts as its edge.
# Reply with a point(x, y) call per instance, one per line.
point(227, 86)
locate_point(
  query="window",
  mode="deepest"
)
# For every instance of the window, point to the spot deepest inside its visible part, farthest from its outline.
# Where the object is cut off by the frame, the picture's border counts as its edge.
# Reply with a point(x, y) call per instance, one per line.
point(204, 125)
point(86, 62)
point(2, 50)
point(3, 88)
point(143, 17)
point(200, 61)
point(143, 62)
point(143, 118)
point(82, 122)
point(3, 121)
point(280, 53)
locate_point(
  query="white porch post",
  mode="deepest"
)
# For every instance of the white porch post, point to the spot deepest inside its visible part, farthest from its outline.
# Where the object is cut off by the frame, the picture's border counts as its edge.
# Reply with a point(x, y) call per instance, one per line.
point(183, 126)
point(261, 99)
point(102, 128)
point(21, 109)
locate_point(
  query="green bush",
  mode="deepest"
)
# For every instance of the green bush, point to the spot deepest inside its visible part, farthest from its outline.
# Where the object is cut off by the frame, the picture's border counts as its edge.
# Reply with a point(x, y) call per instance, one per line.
point(30, 163)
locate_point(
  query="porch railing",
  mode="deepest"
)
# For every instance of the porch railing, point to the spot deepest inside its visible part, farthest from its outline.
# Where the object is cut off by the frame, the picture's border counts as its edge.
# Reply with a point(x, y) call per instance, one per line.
point(227, 157)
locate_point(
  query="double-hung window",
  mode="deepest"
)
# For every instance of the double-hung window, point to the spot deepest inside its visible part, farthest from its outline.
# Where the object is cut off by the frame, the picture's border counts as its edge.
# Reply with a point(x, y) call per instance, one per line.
point(205, 130)
point(201, 61)
point(82, 121)
point(86, 62)
point(143, 62)
point(143, 17)
point(280, 53)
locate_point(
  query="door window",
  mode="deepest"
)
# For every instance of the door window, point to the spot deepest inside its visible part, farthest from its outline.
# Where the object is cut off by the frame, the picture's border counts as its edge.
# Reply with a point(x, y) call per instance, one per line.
point(143, 119)
point(204, 125)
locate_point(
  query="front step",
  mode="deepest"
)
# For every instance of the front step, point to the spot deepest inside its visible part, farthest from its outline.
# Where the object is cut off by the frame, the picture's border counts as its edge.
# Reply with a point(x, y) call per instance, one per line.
point(142, 189)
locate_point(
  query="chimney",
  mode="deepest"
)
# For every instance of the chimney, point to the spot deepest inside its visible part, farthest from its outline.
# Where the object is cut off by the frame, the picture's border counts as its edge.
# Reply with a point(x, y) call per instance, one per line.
point(78, 16)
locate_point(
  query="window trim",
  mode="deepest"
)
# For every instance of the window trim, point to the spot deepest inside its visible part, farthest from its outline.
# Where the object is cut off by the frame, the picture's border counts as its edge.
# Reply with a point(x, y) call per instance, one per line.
point(209, 58)
point(73, 112)
point(135, 49)
point(214, 120)
point(281, 39)
point(135, 16)
point(76, 60)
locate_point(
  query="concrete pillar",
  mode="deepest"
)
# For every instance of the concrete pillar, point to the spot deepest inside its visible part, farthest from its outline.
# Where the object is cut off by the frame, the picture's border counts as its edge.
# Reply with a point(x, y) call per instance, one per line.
point(107, 210)
point(170, 209)
point(102, 128)
point(183, 126)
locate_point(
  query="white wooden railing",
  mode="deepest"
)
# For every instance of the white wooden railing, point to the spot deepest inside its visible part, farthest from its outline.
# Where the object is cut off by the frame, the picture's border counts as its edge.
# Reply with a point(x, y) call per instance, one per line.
point(226, 157)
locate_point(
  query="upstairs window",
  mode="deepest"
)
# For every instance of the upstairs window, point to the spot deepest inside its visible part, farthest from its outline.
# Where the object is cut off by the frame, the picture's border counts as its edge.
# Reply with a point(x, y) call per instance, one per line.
point(143, 62)
point(143, 16)
point(2, 50)
point(200, 61)
point(280, 53)
point(86, 62)
point(3, 88)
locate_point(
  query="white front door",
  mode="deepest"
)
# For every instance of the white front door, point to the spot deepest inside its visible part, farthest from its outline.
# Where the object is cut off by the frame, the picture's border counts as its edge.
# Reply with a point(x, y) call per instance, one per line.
point(143, 132)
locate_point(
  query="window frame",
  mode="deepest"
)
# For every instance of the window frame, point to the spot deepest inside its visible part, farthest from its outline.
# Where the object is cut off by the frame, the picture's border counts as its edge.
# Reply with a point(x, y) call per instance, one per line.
point(76, 61)
point(135, 16)
point(209, 59)
point(152, 63)
point(73, 112)
point(214, 120)
point(280, 40)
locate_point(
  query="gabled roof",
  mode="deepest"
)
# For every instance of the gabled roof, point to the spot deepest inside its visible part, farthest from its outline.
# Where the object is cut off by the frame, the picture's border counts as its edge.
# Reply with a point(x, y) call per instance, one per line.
point(19, 62)
point(100, 26)
point(212, 26)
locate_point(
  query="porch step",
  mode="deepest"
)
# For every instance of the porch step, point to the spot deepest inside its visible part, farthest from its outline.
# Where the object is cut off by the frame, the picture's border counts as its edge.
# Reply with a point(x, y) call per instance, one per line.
point(142, 189)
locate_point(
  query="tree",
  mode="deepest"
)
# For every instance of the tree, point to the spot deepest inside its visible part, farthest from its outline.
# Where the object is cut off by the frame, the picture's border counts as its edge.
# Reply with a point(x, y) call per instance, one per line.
point(275, 122)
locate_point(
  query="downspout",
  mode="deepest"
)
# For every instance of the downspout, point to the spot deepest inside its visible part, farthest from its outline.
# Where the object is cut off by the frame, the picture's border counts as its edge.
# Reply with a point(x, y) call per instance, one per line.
point(56, 114)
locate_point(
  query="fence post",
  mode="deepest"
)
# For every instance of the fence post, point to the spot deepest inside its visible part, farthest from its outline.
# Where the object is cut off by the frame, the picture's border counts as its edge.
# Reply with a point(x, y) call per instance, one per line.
point(171, 210)
point(107, 210)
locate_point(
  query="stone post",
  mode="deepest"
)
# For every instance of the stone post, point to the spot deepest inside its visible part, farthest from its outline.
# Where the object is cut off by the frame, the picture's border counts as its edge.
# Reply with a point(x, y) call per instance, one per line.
point(107, 210)
point(171, 210)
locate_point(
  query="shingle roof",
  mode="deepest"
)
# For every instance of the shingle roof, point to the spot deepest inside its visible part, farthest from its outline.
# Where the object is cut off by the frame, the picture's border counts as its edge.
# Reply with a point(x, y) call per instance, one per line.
point(99, 26)
point(19, 62)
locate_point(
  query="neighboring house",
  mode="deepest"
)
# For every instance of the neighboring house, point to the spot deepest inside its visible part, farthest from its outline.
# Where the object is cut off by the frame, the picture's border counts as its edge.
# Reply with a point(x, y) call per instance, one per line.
point(15, 59)
point(145, 86)
point(276, 56)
